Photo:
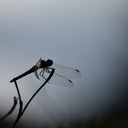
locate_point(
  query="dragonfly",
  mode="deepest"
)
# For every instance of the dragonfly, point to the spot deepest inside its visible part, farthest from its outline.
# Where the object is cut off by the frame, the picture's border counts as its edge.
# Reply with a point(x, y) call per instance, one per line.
point(61, 76)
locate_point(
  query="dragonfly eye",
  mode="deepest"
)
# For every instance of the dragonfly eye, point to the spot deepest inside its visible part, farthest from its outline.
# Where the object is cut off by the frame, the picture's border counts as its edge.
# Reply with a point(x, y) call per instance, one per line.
point(49, 62)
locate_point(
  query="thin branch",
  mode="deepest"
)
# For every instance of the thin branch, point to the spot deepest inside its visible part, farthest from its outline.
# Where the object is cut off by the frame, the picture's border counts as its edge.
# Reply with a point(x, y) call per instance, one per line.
point(11, 110)
point(51, 74)
point(21, 112)
point(20, 105)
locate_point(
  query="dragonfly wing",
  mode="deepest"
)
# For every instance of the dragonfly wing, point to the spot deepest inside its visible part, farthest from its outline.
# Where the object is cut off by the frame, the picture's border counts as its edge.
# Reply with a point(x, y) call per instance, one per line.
point(60, 80)
point(66, 71)
point(55, 79)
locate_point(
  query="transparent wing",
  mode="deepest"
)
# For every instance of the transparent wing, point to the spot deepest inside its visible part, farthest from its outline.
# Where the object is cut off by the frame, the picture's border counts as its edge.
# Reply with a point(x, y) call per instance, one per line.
point(55, 79)
point(66, 71)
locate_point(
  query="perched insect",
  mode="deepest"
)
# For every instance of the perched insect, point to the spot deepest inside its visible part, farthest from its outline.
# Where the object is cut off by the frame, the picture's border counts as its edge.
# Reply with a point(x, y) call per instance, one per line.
point(61, 76)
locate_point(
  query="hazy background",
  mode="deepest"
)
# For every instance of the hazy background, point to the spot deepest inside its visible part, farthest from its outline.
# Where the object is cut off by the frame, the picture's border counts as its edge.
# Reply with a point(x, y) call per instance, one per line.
point(84, 34)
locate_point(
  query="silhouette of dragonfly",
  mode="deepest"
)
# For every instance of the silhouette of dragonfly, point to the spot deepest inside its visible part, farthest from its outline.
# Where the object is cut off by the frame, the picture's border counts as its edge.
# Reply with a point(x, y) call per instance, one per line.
point(61, 76)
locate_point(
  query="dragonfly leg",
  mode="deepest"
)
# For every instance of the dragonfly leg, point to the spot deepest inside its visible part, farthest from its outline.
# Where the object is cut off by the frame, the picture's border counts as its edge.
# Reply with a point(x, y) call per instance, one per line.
point(47, 71)
point(42, 73)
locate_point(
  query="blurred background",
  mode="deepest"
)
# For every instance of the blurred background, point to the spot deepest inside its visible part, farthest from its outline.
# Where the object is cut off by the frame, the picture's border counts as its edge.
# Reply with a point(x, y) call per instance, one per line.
point(91, 36)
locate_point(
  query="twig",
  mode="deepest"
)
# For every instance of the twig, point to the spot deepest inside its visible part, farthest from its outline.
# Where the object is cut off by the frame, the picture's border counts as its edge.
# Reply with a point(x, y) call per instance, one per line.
point(21, 112)
point(11, 110)
point(20, 105)
point(51, 74)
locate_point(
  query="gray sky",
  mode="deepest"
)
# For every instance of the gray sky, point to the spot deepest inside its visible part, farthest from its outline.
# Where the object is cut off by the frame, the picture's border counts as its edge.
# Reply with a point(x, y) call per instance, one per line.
point(87, 35)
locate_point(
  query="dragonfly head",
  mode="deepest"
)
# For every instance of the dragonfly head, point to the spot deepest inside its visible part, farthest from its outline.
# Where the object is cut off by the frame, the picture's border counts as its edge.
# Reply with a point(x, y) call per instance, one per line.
point(42, 64)
point(49, 62)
